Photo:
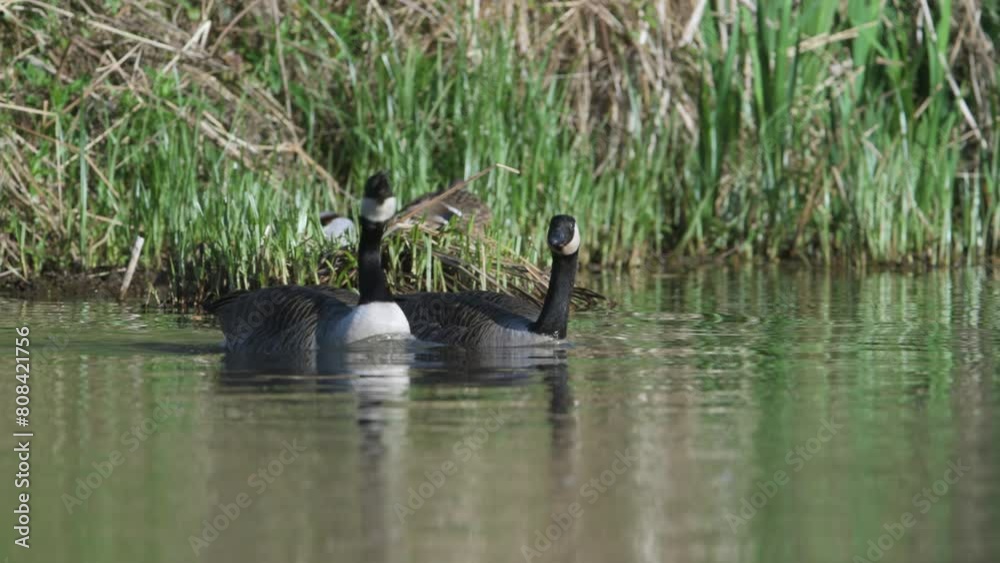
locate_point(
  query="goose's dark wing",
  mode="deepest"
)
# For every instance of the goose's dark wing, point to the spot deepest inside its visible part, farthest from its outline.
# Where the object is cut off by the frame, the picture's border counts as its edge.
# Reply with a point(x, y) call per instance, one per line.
point(507, 303)
point(468, 318)
point(346, 296)
point(278, 319)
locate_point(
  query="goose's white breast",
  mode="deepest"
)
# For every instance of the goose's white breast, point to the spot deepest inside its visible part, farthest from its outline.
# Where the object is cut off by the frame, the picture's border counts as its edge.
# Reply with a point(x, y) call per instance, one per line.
point(370, 319)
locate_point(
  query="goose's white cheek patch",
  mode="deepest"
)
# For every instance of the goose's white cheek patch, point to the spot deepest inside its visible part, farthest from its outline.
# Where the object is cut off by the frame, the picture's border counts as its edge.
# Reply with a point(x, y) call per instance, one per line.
point(573, 245)
point(377, 212)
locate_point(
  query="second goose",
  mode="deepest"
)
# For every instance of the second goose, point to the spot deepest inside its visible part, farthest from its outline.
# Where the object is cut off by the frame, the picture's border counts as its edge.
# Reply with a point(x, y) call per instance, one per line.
point(484, 319)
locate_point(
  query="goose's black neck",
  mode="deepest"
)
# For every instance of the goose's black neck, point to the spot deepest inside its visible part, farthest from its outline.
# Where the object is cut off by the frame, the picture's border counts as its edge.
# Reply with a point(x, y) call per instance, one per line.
point(555, 311)
point(371, 277)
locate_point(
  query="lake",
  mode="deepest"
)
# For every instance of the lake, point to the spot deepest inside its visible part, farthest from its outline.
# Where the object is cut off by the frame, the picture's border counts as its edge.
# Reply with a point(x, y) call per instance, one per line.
point(755, 414)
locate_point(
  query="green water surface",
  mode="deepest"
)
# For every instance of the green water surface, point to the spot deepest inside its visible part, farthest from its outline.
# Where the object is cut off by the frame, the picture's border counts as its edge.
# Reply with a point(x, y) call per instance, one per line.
point(749, 415)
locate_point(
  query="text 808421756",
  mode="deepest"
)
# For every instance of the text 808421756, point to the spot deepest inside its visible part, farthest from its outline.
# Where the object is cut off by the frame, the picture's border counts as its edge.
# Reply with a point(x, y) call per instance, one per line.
point(22, 437)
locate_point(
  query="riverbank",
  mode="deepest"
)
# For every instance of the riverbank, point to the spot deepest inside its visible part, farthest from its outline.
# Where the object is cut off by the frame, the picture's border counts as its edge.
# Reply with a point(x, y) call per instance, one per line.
point(770, 133)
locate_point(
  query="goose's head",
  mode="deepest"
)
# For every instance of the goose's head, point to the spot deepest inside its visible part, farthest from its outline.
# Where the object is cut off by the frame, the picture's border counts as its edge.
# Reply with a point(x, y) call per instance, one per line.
point(378, 204)
point(564, 236)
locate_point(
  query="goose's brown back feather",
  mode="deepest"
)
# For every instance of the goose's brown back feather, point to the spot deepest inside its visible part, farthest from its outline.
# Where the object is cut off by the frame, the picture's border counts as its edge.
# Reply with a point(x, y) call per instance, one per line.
point(277, 319)
point(461, 205)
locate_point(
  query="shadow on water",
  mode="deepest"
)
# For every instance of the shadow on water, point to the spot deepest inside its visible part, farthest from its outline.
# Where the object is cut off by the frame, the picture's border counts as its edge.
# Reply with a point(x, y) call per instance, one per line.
point(386, 364)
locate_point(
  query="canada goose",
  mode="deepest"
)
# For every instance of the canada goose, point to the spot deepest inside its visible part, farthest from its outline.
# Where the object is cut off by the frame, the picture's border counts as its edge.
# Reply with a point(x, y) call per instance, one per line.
point(484, 319)
point(459, 205)
point(291, 317)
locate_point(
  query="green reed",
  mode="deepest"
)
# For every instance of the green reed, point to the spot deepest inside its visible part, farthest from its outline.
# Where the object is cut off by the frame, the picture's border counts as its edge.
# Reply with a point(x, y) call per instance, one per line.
point(813, 150)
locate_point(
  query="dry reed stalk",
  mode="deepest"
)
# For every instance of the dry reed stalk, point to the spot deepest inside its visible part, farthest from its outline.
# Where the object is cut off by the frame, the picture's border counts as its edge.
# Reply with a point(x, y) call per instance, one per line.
point(132, 263)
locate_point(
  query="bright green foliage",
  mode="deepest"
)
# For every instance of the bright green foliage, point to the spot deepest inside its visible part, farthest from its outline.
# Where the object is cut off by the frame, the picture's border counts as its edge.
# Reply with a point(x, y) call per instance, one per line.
point(820, 130)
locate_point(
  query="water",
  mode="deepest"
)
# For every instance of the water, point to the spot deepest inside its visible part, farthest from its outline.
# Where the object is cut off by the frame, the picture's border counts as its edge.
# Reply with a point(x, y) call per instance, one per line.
point(752, 415)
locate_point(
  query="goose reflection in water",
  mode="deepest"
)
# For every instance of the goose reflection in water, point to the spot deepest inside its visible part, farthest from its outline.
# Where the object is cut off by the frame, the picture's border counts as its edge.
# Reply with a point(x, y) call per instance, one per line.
point(384, 377)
